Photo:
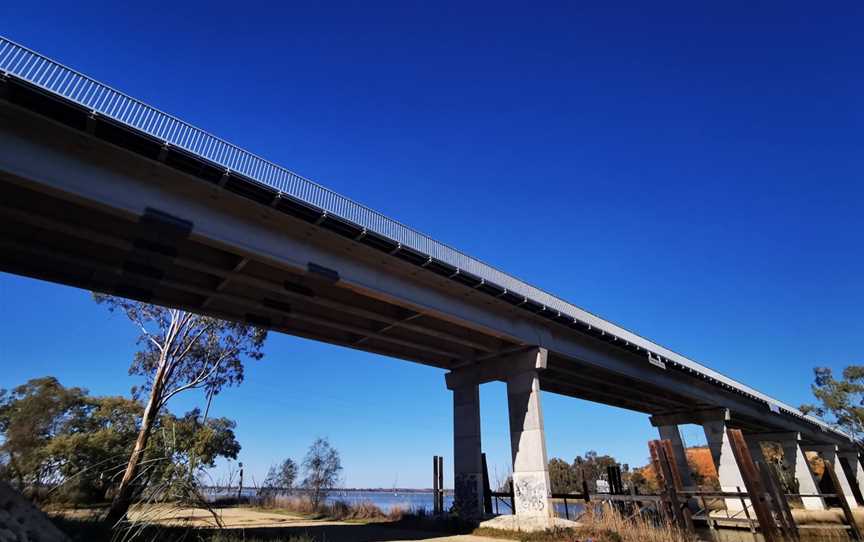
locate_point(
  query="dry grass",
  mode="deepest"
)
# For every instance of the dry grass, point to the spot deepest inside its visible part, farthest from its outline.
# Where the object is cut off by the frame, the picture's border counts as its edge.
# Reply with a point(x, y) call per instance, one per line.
point(605, 524)
point(608, 523)
point(338, 510)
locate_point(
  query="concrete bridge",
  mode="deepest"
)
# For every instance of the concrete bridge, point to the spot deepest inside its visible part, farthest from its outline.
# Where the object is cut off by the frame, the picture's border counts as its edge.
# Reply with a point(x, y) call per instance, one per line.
point(103, 192)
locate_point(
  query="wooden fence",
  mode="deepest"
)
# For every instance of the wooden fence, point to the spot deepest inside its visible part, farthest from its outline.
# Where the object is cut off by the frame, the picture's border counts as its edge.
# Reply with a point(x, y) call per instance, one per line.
point(764, 504)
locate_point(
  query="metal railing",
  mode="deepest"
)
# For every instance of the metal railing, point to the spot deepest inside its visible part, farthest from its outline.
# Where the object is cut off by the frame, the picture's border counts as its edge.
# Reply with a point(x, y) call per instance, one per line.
point(55, 78)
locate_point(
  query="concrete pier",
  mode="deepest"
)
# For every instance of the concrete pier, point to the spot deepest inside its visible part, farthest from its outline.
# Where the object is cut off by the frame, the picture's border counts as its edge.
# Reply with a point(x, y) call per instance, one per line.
point(467, 459)
point(828, 452)
point(672, 433)
point(528, 446)
point(795, 461)
point(727, 468)
point(521, 371)
point(855, 474)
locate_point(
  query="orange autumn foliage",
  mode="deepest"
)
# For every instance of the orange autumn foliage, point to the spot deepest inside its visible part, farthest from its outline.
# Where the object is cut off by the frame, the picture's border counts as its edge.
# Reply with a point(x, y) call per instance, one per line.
point(701, 464)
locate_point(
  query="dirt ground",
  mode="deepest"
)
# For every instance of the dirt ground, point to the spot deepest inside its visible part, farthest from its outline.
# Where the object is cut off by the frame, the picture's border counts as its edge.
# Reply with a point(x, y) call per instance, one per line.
point(260, 523)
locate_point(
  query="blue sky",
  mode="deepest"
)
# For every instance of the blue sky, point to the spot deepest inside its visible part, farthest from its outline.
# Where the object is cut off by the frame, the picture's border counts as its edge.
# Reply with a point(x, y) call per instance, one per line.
point(693, 171)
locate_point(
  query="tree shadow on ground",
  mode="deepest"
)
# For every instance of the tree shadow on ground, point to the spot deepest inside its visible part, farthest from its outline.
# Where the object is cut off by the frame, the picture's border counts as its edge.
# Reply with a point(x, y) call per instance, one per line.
point(81, 530)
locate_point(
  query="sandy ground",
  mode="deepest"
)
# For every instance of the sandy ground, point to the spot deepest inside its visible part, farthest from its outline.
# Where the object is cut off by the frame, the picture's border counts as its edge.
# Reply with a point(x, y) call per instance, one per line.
point(262, 522)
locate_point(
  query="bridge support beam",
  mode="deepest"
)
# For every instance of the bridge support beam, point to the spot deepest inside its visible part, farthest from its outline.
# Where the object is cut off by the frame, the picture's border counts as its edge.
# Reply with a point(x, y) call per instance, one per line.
point(795, 462)
point(828, 452)
point(528, 445)
point(672, 433)
point(467, 452)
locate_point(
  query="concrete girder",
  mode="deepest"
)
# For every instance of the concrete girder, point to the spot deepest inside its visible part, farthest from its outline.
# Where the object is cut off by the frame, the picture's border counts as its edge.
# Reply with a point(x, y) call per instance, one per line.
point(234, 275)
point(234, 299)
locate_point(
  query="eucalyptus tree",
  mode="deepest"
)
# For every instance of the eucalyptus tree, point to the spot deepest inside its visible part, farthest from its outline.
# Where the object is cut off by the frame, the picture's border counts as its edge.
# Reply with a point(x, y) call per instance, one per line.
point(841, 400)
point(280, 478)
point(179, 351)
point(322, 466)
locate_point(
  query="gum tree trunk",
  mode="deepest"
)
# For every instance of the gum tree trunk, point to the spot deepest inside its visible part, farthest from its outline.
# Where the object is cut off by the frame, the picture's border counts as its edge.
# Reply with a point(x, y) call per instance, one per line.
point(123, 499)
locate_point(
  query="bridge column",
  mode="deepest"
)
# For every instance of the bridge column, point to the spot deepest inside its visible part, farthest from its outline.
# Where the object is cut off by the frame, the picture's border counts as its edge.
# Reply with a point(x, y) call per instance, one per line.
point(528, 445)
point(724, 460)
point(855, 474)
point(467, 454)
point(673, 434)
point(829, 453)
point(795, 462)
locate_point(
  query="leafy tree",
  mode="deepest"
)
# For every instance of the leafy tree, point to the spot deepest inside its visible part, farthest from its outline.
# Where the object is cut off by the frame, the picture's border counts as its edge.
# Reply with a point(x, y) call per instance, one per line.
point(842, 401)
point(30, 416)
point(81, 442)
point(90, 451)
point(568, 477)
point(591, 467)
point(322, 466)
point(562, 476)
point(179, 351)
point(280, 477)
point(187, 445)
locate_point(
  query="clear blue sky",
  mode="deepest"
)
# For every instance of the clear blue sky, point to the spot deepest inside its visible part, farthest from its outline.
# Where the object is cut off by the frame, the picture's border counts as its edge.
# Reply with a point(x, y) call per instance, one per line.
point(693, 171)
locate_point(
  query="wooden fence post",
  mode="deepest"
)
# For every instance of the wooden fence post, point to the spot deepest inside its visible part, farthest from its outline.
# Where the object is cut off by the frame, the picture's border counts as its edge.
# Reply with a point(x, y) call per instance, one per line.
point(435, 488)
point(487, 488)
point(753, 483)
point(441, 483)
point(663, 506)
point(673, 485)
point(854, 532)
point(775, 490)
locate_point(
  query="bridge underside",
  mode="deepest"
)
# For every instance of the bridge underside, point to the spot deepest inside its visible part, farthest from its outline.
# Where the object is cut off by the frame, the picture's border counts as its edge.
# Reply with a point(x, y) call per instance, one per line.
point(153, 258)
point(92, 207)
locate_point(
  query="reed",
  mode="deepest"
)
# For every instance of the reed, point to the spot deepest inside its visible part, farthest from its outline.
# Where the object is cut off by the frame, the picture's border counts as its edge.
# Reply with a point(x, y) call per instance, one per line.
point(339, 510)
